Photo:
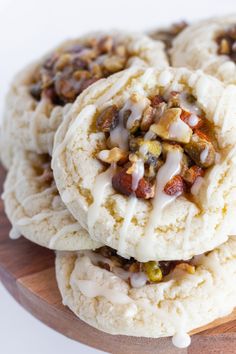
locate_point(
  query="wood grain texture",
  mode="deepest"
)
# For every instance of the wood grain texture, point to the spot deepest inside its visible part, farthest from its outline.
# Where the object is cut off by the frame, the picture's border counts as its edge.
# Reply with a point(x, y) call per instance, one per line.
point(27, 271)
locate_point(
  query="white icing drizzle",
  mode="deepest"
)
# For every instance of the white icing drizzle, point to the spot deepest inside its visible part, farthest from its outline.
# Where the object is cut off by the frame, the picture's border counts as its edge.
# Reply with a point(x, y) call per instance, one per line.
point(149, 135)
point(120, 135)
point(137, 174)
point(197, 185)
point(14, 233)
point(116, 87)
point(181, 339)
point(191, 107)
point(132, 201)
point(138, 280)
point(136, 109)
point(204, 154)
point(91, 289)
point(171, 167)
point(64, 232)
point(32, 197)
point(193, 120)
point(102, 182)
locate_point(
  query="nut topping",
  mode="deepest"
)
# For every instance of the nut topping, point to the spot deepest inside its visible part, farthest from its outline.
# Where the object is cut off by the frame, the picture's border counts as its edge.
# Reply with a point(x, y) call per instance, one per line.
point(148, 130)
point(70, 71)
point(113, 155)
point(108, 119)
point(227, 43)
point(122, 183)
point(175, 186)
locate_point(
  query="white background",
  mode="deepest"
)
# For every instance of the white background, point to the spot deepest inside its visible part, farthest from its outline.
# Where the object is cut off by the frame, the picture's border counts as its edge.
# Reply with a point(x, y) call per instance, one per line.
point(27, 29)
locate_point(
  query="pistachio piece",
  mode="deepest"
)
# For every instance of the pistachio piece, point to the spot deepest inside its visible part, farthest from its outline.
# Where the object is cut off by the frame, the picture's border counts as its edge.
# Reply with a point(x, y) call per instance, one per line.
point(171, 127)
point(108, 119)
point(153, 271)
point(150, 151)
point(201, 151)
point(113, 155)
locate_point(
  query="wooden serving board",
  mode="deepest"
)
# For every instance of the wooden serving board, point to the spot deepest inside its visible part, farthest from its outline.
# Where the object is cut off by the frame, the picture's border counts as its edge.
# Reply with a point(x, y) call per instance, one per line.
point(27, 271)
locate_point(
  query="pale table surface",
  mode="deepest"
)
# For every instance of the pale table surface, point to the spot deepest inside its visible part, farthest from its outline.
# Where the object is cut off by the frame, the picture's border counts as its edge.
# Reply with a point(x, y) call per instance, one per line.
point(28, 28)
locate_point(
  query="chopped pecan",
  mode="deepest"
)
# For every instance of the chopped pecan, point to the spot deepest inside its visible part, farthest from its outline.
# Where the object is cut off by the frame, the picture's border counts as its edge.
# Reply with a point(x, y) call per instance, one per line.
point(147, 119)
point(175, 186)
point(156, 100)
point(122, 183)
point(105, 44)
point(108, 119)
point(192, 174)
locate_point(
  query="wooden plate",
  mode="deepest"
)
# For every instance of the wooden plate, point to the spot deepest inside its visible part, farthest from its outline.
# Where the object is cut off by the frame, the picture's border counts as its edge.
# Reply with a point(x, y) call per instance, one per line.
point(27, 271)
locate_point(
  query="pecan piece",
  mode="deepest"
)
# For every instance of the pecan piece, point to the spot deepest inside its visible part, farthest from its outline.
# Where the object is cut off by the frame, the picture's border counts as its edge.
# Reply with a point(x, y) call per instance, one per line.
point(147, 119)
point(156, 100)
point(105, 44)
point(175, 186)
point(122, 183)
point(108, 119)
point(192, 174)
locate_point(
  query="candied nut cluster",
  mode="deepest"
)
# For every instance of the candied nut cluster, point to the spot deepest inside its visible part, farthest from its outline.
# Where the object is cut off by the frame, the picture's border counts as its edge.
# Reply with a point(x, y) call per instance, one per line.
point(65, 74)
point(168, 35)
point(227, 43)
point(140, 134)
point(154, 271)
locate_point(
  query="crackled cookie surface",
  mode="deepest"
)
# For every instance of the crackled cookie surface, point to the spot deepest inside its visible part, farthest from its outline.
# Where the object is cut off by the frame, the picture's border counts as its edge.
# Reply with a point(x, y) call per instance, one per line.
point(208, 45)
point(41, 94)
point(146, 163)
point(148, 299)
point(35, 209)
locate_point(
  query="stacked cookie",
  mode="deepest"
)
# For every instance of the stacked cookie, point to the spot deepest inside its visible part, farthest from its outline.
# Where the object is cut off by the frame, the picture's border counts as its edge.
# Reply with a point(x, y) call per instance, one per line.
point(121, 155)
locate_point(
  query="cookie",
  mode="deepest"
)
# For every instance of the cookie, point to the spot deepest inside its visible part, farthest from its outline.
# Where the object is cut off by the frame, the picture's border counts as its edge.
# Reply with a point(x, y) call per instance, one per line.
point(208, 45)
point(117, 301)
point(41, 94)
point(145, 161)
point(35, 209)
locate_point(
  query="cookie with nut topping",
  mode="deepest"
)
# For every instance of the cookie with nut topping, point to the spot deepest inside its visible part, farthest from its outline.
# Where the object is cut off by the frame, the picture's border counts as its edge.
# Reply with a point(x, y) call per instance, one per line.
point(35, 209)
point(145, 161)
point(209, 45)
point(154, 299)
point(43, 92)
